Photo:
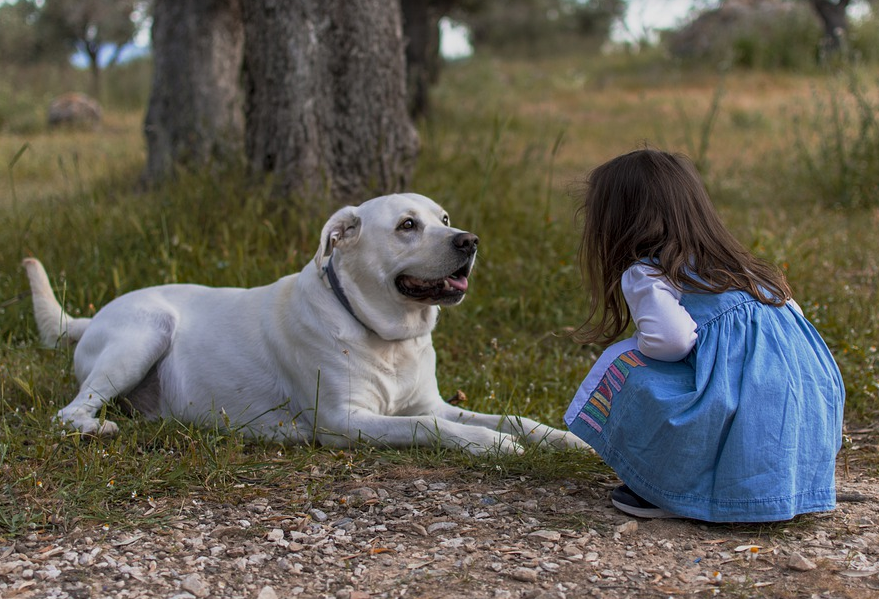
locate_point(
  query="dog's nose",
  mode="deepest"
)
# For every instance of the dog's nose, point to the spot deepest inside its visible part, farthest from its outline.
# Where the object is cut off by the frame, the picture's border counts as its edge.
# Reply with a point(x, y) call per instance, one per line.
point(466, 242)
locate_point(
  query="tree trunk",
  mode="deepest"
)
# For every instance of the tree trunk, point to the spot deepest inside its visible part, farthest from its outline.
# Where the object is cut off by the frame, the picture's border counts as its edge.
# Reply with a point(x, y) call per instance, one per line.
point(325, 97)
point(422, 39)
point(195, 114)
point(95, 71)
point(833, 17)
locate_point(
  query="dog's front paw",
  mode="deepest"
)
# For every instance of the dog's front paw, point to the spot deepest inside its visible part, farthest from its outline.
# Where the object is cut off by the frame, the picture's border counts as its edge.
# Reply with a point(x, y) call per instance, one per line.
point(493, 443)
point(86, 425)
point(532, 432)
point(557, 438)
point(564, 440)
point(507, 444)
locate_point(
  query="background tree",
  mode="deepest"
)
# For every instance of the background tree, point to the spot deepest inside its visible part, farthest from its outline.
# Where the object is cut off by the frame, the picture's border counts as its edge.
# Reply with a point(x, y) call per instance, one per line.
point(421, 33)
point(325, 97)
point(514, 23)
point(89, 26)
point(834, 18)
point(768, 34)
point(538, 25)
point(195, 113)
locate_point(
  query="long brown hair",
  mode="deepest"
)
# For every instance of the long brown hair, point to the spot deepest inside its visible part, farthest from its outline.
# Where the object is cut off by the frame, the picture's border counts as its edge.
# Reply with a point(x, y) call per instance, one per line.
point(650, 205)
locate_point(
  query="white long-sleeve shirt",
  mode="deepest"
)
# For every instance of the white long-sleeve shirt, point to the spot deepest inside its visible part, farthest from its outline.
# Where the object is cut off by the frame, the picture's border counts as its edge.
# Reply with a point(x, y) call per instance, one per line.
point(664, 329)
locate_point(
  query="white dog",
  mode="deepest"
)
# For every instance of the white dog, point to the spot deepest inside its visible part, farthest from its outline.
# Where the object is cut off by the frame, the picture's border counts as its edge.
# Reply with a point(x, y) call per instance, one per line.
point(338, 353)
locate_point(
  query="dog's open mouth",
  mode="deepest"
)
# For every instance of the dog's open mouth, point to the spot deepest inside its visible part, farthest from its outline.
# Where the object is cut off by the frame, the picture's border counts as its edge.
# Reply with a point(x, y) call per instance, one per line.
point(447, 290)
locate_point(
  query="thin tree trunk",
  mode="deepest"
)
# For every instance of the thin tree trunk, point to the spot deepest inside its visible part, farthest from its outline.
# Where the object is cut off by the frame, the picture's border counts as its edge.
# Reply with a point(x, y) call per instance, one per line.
point(195, 113)
point(833, 17)
point(422, 39)
point(95, 71)
point(325, 98)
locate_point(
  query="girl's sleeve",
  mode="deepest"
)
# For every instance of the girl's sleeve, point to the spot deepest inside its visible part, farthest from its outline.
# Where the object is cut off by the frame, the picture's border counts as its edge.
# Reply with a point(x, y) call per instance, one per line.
point(665, 331)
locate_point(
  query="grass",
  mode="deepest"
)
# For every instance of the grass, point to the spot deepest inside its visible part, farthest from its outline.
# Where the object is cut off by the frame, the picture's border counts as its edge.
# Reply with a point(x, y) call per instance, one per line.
point(507, 141)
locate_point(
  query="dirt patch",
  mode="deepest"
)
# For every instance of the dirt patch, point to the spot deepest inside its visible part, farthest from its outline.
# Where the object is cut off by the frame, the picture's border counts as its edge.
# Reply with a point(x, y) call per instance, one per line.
point(446, 533)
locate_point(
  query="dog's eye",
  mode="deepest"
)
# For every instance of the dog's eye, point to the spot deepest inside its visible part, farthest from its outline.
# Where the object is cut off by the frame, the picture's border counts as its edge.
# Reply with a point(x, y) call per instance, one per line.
point(446, 219)
point(406, 225)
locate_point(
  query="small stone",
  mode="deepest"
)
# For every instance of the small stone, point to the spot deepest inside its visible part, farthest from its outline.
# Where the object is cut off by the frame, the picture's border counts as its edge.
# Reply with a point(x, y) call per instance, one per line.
point(800, 563)
point(275, 535)
point(50, 572)
point(552, 536)
point(228, 531)
point(267, 593)
point(524, 575)
point(195, 585)
point(627, 527)
point(258, 559)
point(438, 526)
point(257, 507)
point(363, 493)
point(345, 523)
point(550, 566)
point(85, 559)
point(318, 515)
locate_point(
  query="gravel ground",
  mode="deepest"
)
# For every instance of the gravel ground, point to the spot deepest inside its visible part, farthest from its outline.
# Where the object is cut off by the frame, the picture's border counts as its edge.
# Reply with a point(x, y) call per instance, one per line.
point(409, 532)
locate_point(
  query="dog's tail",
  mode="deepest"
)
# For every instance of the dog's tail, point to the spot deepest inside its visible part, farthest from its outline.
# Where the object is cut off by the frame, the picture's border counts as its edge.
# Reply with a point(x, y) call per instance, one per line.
point(56, 326)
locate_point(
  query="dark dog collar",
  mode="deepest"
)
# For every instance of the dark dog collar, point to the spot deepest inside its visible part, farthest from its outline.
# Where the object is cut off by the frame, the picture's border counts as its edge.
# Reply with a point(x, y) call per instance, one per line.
point(336, 286)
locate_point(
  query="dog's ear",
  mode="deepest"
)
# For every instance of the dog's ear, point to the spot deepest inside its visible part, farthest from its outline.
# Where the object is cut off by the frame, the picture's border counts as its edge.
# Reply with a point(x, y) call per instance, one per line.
point(343, 228)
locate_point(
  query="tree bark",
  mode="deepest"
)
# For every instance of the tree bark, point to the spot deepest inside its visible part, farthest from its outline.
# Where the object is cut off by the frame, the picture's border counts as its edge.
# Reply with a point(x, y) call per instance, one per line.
point(422, 40)
point(195, 113)
point(833, 17)
point(95, 71)
point(325, 98)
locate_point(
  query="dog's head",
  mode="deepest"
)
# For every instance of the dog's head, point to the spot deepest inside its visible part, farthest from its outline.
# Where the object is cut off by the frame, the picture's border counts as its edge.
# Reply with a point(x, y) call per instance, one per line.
point(398, 257)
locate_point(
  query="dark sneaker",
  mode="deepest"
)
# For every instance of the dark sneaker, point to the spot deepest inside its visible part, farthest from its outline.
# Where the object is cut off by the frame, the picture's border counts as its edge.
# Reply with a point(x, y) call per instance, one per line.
point(625, 500)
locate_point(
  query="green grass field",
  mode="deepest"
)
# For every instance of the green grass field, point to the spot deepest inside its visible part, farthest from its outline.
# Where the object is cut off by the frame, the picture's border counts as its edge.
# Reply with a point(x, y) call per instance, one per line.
point(789, 159)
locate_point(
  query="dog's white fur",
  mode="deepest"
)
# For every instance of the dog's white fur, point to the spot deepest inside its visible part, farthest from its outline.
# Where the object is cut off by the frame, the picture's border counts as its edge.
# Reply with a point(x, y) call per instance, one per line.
point(287, 362)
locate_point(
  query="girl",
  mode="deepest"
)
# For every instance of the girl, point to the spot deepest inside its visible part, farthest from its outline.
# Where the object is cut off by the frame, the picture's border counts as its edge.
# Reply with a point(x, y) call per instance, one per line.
point(725, 405)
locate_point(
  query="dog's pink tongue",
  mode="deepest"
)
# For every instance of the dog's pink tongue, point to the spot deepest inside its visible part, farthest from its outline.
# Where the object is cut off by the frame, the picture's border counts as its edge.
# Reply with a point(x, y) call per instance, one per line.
point(459, 283)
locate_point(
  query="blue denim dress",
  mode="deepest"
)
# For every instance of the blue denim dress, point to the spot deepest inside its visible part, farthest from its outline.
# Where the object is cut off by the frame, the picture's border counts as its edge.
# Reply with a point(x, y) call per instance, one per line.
point(745, 429)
